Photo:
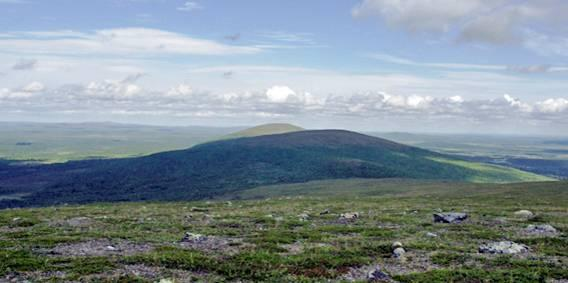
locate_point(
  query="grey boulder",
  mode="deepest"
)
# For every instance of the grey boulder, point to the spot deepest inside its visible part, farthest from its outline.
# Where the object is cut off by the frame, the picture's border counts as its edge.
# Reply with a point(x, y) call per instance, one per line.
point(541, 229)
point(451, 217)
point(377, 275)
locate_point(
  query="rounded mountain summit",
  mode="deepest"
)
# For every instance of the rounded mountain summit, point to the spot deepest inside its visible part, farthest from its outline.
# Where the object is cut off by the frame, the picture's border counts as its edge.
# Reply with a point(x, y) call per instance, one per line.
point(265, 155)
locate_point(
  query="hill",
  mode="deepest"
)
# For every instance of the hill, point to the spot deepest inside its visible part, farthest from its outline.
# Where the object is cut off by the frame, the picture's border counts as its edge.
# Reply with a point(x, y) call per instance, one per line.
point(216, 168)
point(266, 129)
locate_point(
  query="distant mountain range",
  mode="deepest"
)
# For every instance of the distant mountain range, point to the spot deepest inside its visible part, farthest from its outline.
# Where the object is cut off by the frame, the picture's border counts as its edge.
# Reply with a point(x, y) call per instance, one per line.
point(260, 158)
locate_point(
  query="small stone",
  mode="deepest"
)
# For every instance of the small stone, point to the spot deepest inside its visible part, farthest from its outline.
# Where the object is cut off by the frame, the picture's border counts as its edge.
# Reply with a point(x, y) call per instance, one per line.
point(279, 219)
point(166, 280)
point(527, 214)
point(398, 252)
point(349, 215)
point(16, 219)
point(229, 203)
point(193, 238)
point(111, 248)
point(304, 217)
point(269, 216)
point(541, 229)
point(451, 217)
point(431, 235)
point(376, 275)
point(325, 212)
point(503, 247)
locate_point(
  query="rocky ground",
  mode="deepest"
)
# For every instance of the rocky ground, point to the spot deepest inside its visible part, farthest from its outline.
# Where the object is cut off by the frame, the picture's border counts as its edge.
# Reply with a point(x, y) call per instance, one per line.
point(437, 237)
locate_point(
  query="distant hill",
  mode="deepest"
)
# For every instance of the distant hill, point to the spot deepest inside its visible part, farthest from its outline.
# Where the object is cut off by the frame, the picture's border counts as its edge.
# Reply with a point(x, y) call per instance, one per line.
point(216, 168)
point(262, 130)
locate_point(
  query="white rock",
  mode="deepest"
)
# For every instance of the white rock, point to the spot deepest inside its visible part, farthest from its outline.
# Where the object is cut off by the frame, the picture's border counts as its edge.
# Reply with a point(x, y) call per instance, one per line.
point(304, 217)
point(524, 214)
point(191, 237)
point(503, 247)
point(398, 252)
point(349, 215)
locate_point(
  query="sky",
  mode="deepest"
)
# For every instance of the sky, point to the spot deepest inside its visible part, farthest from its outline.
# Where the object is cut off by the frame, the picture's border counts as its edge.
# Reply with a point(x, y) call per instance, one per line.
point(444, 66)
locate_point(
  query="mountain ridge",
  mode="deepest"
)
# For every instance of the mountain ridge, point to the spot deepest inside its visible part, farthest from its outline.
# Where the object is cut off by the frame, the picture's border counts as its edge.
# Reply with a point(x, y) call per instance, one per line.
point(207, 170)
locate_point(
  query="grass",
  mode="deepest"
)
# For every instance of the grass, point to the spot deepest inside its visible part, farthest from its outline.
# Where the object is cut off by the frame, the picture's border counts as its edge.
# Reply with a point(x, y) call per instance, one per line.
point(54, 143)
point(487, 173)
point(268, 226)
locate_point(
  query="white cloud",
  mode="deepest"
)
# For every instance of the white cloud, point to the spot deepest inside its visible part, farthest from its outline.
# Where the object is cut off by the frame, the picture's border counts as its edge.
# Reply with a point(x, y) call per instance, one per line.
point(114, 89)
point(405, 61)
point(279, 94)
point(301, 37)
point(121, 41)
point(181, 90)
point(553, 105)
point(34, 87)
point(126, 96)
point(25, 92)
point(190, 6)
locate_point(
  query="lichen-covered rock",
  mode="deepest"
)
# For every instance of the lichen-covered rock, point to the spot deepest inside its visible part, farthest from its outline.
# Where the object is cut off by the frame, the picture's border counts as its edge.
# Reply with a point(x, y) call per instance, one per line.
point(191, 237)
point(503, 247)
point(396, 245)
point(451, 217)
point(398, 252)
point(377, 275)
point(304, 217)
point(349, 215)
point(527, 214)
point(541, 229)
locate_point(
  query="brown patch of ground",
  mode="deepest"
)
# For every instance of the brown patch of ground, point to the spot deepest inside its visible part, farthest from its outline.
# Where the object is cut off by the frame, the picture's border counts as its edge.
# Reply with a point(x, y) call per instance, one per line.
point(99, 247)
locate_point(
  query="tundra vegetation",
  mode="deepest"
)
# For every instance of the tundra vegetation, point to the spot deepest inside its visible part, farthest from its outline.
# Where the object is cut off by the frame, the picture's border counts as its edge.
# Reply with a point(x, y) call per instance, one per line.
point(321, 231)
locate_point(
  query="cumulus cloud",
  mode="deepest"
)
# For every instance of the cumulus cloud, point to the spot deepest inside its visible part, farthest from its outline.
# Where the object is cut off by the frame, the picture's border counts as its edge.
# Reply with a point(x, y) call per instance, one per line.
point(553, 105)
point(23, 92)
point(120, 41)
point(127, 97)
point(280, 94)
point(114, 89)
point(181, 90)
point(485, 21)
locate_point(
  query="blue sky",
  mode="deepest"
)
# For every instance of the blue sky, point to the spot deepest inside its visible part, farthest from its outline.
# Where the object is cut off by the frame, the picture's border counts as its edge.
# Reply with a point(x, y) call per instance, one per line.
point(405, 65)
